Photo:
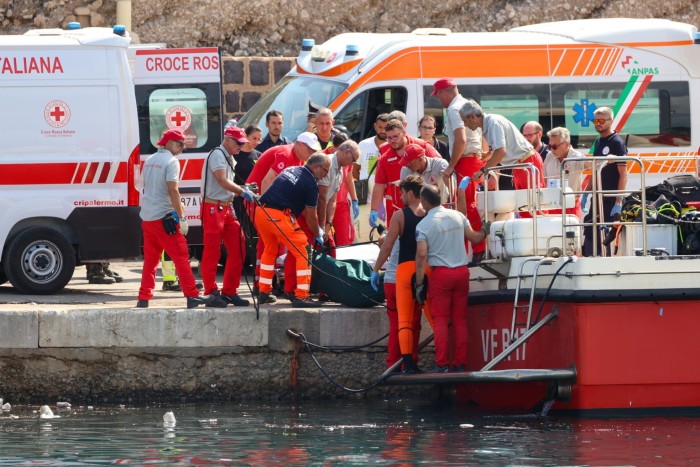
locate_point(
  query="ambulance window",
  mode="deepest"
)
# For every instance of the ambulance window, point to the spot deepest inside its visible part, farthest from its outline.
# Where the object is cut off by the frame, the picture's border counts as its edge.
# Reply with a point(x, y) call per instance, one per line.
point(359, 114)
point(519, 103)
point(292, 96)
point(519, 109)
point(660, 116)
point(183, 109)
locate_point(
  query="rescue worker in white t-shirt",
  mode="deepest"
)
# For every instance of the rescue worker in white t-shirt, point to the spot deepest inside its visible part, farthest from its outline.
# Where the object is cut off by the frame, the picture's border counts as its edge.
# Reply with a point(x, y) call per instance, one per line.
point(369, 155)
point(164, 223)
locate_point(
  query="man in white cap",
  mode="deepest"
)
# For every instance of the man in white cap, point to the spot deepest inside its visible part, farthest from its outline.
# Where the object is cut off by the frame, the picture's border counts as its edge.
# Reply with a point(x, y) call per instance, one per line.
point(219, 220)
point(164, 223)
point(278, 158)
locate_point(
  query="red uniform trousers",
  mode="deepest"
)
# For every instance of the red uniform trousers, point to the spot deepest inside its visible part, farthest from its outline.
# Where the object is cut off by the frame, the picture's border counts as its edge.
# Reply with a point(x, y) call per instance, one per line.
point(155, 240)
point(408, 310)
point(466, 167)
point(392, 347)
point(220, 223)
point(393, 202)
point(275, 227)
point(448, 295)
point(521, 177)
point(342, 224)
point(290, 262)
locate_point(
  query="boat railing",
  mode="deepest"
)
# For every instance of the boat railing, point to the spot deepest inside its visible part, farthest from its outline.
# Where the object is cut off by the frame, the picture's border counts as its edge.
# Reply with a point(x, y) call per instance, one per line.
point(567, 197)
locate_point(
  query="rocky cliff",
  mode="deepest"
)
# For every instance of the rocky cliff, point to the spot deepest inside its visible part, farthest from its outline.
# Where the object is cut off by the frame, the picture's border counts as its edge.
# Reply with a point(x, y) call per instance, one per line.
point(269, 28)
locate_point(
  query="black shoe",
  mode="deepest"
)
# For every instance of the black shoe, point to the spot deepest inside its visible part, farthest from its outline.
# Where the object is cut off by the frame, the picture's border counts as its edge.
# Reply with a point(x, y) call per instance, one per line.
point(216, 301)
point(194, 302)
point(235, 300)
point(171, 286)
point(305, 303)
point(142, 304)
point(439, 369)
point(409, 366)
point(266, 298)
point(102, 280)
point(109, 273)
point(458, 369)
point(412, 370)
point(211, 301)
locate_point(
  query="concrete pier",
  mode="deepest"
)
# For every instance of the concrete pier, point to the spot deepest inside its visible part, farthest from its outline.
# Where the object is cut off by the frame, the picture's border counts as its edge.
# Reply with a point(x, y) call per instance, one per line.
point(88, 344)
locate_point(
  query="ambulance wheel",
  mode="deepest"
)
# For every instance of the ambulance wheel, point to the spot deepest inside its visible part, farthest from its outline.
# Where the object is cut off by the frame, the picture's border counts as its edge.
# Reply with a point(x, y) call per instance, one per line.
point(39, 260)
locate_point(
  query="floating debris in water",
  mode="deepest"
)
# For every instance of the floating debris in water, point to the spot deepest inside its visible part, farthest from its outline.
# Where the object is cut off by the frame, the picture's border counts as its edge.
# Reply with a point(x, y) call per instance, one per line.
point(466, 425)
point(169, 419)
point(6, 407)
point(46, 412)
point(63, 405)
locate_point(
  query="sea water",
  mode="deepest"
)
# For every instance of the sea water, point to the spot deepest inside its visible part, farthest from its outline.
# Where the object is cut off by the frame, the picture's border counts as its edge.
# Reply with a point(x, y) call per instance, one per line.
point(340, 432)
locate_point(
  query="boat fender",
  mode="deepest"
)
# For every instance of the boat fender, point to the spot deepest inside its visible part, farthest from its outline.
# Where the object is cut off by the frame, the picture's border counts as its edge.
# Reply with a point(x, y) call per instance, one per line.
point(554, 252)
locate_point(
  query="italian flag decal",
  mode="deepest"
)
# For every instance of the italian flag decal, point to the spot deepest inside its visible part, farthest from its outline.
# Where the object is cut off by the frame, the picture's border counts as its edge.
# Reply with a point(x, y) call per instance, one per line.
point(628, 99)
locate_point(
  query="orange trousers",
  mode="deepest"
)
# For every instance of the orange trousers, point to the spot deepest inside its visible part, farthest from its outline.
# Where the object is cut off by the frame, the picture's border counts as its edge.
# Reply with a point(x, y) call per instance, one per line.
point(275, 227)
point(408, 309)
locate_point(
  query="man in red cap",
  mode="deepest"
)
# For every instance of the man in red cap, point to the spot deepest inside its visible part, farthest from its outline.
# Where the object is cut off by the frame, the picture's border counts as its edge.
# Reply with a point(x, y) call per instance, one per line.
point(219, 220)
point(467, 151)
point(389, 170)
point(432, 169)
point(164, 223)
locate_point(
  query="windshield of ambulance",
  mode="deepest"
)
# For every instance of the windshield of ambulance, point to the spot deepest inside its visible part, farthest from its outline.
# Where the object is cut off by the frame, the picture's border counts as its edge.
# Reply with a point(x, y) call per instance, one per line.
point(291, 96)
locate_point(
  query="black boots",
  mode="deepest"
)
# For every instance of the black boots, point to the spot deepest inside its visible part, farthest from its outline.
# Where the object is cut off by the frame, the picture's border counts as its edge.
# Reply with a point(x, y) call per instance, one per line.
point(409, 367)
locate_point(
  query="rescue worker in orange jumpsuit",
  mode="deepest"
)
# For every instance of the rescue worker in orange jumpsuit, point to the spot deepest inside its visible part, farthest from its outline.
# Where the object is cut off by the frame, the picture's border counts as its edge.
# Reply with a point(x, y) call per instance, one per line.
point(269, 165)
point(293, 193)
point(403, 228)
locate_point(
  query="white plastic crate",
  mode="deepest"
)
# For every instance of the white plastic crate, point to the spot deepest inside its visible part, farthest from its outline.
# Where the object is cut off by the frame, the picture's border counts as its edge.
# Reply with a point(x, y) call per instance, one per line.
point(516, 236)
point(659, 236)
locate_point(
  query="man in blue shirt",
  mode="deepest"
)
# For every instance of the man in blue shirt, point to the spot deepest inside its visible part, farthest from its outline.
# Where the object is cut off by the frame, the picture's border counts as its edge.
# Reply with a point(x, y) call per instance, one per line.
point(274, 121)
point(294, 192)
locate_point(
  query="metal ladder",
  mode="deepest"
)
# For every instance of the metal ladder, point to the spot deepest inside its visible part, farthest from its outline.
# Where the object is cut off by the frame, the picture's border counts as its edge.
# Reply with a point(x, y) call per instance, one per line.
point(516, 306)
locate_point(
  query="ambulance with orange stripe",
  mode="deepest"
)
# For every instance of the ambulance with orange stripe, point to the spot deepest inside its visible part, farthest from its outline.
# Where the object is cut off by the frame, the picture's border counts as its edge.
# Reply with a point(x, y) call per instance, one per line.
point(647, 70)
point(75, 121)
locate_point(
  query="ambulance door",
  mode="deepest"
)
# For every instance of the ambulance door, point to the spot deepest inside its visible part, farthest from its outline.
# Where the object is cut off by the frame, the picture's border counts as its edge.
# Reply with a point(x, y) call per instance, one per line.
point(181, 89)
point(359, 114)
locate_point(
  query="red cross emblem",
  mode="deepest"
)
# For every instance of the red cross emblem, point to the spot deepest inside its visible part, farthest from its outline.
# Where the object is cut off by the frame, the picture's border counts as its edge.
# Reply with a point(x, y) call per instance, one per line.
point(57, 113)
point(178, 117)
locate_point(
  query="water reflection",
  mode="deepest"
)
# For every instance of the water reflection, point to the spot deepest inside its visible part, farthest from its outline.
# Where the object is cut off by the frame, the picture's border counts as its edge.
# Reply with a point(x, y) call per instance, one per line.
point(337, 433)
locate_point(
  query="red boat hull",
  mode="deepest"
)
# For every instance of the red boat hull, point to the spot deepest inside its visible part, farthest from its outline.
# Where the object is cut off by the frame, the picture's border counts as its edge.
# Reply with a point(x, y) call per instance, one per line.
point(627, 355)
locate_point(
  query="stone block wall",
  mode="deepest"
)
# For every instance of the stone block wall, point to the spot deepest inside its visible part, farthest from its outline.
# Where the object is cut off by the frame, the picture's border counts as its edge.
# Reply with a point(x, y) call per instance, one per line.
point(247, 79)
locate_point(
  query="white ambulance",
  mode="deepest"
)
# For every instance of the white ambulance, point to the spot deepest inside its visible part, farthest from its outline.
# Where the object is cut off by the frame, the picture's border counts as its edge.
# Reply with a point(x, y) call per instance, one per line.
point(647, 70)
point(75, 128)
